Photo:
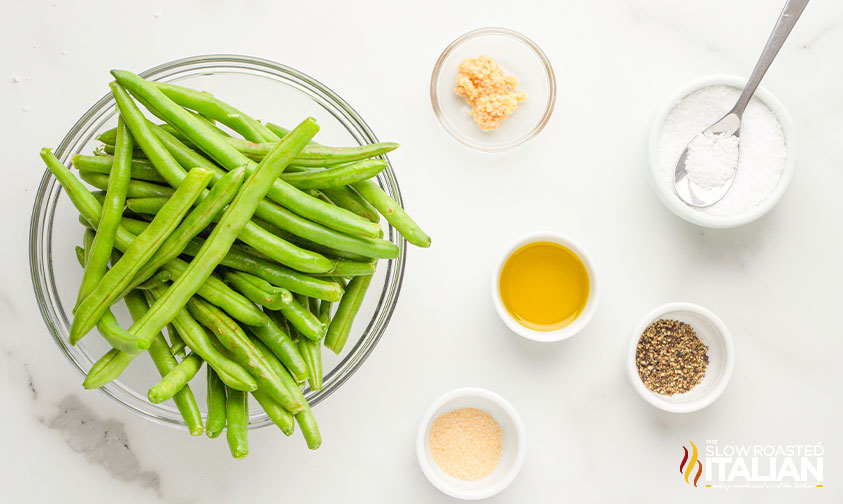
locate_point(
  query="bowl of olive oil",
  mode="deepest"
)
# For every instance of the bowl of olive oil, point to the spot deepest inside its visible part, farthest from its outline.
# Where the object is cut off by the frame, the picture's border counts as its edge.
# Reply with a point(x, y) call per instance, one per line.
point(545, 287)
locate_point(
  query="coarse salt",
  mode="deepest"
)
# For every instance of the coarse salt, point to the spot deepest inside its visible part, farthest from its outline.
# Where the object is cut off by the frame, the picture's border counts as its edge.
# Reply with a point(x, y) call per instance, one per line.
point(712, 159)
point(466, 443)
point(762, 149)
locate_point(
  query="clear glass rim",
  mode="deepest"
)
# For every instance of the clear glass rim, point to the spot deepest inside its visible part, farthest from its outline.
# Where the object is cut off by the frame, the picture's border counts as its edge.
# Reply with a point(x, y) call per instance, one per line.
point(506, 32)
point(49, 190)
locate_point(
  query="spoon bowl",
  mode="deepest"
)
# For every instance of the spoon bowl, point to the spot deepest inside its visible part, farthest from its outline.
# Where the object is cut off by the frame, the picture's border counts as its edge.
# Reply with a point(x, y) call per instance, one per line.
point(693, 193)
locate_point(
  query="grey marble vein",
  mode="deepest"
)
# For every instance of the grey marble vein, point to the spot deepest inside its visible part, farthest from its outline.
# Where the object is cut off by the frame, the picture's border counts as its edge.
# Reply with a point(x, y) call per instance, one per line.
point(30, 381)
point(102, 441)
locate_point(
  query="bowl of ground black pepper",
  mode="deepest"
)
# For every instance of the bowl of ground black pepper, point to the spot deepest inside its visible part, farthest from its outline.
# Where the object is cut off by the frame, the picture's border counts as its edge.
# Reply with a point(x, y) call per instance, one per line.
point(681, 357)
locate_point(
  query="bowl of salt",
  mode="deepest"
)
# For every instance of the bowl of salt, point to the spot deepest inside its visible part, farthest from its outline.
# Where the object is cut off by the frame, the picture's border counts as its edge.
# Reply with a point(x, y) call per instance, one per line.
point(766, 151)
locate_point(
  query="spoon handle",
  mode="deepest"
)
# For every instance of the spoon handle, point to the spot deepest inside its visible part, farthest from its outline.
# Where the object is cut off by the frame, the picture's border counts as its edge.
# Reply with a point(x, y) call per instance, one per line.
point(790, 14)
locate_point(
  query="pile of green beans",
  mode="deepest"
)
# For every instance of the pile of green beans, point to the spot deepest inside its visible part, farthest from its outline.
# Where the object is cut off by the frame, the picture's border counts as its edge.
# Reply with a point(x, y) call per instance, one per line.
point(252, 244)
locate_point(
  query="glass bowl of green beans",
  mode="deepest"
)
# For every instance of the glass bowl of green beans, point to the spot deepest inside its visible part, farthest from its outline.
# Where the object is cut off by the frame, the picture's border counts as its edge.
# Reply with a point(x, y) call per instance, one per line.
point(270, 91)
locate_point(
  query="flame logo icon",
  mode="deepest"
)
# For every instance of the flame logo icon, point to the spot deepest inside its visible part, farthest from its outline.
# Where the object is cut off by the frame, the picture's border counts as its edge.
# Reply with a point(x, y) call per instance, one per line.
point(687, 466)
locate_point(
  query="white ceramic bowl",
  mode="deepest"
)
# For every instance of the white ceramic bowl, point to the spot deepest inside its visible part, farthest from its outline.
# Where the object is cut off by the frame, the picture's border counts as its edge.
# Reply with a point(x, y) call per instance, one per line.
point(667, 194)
point(721, 357)
point(514, 443)
point(593, 292)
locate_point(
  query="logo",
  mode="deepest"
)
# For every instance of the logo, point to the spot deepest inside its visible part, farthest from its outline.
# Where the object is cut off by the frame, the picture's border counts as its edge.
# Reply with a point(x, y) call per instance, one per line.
point(687, 466)
point(753, 465)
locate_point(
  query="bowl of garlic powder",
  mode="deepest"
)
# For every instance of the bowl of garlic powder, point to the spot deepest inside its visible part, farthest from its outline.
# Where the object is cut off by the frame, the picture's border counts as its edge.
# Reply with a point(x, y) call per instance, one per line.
point(766, 151)
point(471, 443)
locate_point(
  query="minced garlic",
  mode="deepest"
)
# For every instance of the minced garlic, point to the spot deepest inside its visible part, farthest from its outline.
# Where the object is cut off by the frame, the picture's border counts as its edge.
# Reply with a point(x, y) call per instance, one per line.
point(490, 93)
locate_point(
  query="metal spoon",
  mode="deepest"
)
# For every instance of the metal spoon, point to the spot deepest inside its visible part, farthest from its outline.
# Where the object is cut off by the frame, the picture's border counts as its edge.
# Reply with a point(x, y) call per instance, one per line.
point(695, 195)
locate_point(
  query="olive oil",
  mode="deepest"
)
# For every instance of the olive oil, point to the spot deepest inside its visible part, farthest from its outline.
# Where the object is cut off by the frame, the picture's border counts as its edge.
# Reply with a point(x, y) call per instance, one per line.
point(544, 286)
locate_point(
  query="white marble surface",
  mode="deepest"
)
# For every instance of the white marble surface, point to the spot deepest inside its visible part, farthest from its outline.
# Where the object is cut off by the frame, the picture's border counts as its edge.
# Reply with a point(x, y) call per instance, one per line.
point(776, 283)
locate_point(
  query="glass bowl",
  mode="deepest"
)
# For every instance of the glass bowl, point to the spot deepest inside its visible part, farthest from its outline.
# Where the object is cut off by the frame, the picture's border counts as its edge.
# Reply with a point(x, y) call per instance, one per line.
point(518, 56)
point(271, 92)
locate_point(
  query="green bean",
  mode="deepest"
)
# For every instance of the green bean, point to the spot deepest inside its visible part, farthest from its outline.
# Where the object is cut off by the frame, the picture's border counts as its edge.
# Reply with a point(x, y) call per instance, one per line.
point(109, 149)
point(108, 326)
point(279, 131)
point(347, 309)
point(214, 290)
point(346, 197)
point(258, 290)
point(146, 206)
point(88, 238)
point(279, 416)
point(313, 306)
point(177, 346)
point(212, 108)
point(320, 212)
point(304, 418)
point(283, 251)
point(216, 404)
point(136, 255)
point(176, 379)
point(316, 156)
point(237, 416)
point(164, 162)
point(198, 219)
point(282, 277)
point(316, 193)
point(232, 337)
point(275, 337)
point(322, 235)
point(99, 196)
point(159, 351)
point(304, 321)
point(248, 261)
point(225, 232)
point(160, 278)
point(107, 368)
point(336, 176)
point(324, 313)
point(135, 188)
point(141, 169)
point(393, 212)
point(109, 136)
point(284, 326)
point(80, 255)
point(200, 342)
point(178, 134)
point(322, 249)
point(347, 269)
point(311, 351)
point(218, 149)
point(309, 428)
point(112, 211)
point(184, 154)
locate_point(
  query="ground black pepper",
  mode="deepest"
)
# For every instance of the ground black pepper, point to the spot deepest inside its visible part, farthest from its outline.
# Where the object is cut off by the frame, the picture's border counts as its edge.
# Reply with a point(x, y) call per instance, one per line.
point(670, 357)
